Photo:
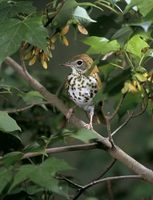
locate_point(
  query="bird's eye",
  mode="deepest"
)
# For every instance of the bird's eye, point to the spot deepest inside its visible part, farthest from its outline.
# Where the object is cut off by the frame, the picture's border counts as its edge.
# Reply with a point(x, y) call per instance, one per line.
point(79, 62)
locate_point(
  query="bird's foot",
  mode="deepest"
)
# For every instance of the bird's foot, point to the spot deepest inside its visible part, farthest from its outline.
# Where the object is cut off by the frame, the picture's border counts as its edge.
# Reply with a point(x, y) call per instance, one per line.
point(89, 126)
point(69, 114)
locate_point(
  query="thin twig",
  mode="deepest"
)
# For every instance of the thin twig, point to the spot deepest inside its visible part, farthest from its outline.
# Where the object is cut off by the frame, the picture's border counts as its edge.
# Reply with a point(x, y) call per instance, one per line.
point(23, 108)
point(143, 109)
point(87, 186)
point(108, 125)
point(110, 165)
point(117, 107)
point(124, 123)
point(129, 60)
point(63, 178)
point(106, 56)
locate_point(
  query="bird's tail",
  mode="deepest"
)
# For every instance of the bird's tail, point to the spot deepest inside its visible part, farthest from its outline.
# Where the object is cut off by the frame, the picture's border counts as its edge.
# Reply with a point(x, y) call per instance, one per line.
point(99, 116)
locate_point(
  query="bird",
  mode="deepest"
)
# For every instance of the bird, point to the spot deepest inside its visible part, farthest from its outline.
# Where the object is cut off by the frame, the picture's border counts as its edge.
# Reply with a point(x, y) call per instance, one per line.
point(83, 83)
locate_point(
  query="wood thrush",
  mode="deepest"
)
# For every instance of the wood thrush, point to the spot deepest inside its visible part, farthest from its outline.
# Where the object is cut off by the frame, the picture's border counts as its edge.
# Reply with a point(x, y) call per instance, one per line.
point(83, 83)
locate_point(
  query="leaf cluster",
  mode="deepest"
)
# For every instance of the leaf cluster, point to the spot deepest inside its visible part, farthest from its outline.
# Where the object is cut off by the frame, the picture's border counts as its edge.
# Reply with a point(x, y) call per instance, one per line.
point(119, 35)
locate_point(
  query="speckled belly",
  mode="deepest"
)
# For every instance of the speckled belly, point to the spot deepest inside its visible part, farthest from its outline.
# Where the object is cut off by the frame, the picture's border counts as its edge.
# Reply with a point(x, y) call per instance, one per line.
point(82, 89)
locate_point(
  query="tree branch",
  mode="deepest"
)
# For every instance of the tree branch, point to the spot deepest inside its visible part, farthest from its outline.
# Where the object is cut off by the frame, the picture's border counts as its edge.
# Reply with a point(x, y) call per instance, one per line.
point(114, 151)
point(111, 164)
point(91, 184)
point(54, 150)
point(23, 108)
point(130, 114)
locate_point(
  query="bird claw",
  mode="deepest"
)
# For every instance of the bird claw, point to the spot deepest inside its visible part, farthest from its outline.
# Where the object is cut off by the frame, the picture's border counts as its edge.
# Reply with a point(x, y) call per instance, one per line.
point(88, 126)
point(69, 114)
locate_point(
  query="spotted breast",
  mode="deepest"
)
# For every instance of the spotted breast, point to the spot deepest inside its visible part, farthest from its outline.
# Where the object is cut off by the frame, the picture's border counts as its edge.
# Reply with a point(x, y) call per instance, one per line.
point(82, 89)
point(83, 83)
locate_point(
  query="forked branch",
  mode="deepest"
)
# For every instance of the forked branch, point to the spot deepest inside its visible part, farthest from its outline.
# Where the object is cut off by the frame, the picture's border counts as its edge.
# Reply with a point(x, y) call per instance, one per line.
point(114, 151)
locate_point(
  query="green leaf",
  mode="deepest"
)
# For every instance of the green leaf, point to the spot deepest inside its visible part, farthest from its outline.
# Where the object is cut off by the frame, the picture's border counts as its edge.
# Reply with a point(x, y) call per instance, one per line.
point(149, 53)
point(11, 37)
point(144, 6)
point(82, 15)
point(130, 102)
point(44, 179)
point(135, 45)
point(35, 147)
point(101, 45)
point(144, 25)
point(14, 31)
point(123, 34)
point(32, 189)
point(116, 83)
point(5, 178)
point(12, 158)
point(7, 123)
point(65, 13)
point(10, 9)
point(140, 77)
point(32, 97)
point(35, 33)
point(53, 165)
point(84, 135)
point(42, 175)
point(23, 174)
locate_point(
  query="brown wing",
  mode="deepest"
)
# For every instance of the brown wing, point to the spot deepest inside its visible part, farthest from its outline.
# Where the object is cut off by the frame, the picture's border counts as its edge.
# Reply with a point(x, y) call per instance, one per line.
point(94, 73)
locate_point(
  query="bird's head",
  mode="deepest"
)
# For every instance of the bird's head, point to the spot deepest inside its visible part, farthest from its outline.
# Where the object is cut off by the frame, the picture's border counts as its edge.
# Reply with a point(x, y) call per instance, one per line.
point(79, 64)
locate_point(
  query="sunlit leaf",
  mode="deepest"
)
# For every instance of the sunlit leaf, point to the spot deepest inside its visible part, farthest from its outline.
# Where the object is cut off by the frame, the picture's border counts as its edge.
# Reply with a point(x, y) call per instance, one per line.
point(144, 6)
point(101, 45)
point(7, 123)
point(135, 45)
point(140, 77)
point(82, 15)
point(84, 135)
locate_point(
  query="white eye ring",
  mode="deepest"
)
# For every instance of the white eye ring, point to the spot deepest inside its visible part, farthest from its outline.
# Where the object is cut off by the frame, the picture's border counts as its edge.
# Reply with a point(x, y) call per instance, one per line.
point(79, 62)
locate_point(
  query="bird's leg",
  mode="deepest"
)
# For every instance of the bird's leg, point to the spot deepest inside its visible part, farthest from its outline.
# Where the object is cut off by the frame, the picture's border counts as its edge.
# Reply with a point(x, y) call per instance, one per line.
point(69, 113)
point(91, 114)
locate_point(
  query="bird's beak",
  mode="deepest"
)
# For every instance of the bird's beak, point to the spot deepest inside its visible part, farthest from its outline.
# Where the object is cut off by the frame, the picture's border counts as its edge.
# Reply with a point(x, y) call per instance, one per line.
point(66, 64)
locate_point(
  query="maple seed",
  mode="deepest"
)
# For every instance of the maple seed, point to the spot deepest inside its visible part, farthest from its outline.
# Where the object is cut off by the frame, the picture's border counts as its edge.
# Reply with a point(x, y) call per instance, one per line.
point(65, 41)
point(53, 39)
point(33, 60)
point(44, 64)
point(82, 29)
point(65, 30)
point(28, 55)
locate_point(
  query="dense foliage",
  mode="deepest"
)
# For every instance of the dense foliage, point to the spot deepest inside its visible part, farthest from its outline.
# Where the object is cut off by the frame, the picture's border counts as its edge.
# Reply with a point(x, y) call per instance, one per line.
point(40, 36)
